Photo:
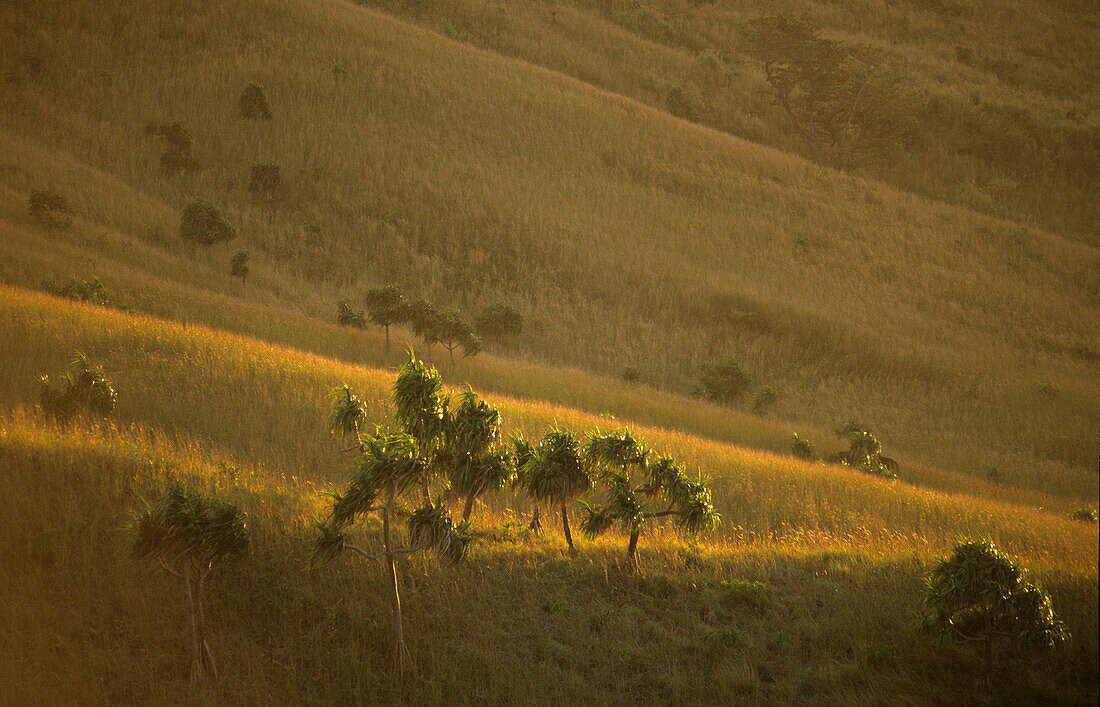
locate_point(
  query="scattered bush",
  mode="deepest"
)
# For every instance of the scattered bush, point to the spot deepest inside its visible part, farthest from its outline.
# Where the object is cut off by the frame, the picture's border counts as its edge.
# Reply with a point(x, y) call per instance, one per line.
point(238, 266)
point(177, 153)
point(555, 473)
point(50, 209)
point(978, 596)
point(346, 316)
point(498, 321)
point(630, 374)
point(764, 400)
point(189, 536)
point(91, 291)
point(387, 306)
point(1086, 514)
point(804, 449)
point(203, 223)
point(81, 390)
point(253, 103)
point(724, 382)
point(864, 451)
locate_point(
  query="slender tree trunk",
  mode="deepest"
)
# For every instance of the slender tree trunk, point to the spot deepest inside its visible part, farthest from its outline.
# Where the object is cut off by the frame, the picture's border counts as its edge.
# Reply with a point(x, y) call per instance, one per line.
point(207, 654)
point(536, 521)
point(469, 507)
point(565, 524)
point(400, 649)
point(424, 493)
point(451, 350)
point(197, 672)
point(632, 549)
point(387, 328)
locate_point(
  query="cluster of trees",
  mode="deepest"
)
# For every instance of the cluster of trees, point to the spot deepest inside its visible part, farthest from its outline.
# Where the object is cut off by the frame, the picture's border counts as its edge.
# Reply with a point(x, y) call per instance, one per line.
point(725, 382)
point(459, 451)
point(864, 451)
point(389, 306)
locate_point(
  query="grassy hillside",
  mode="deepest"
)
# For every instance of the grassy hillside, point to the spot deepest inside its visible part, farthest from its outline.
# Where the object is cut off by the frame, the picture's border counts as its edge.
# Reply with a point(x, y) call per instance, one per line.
point(826, 542)
point(965, 342)
point(946, 293)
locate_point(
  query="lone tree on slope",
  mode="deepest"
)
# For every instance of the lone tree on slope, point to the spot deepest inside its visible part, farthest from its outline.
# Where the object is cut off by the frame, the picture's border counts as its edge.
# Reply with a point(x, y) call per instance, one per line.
point(556, 474)
point(238, 267)
point(387, 306)
point(253, 105)
point(979, 596)
point(189, 536)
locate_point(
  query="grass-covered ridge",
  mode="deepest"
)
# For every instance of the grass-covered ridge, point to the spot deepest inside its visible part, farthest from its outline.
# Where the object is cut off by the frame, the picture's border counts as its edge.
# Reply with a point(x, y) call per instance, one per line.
point(837, 544)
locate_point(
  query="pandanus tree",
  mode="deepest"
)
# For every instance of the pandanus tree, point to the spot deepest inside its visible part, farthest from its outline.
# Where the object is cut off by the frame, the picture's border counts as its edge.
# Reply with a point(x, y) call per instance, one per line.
point(391, 468)
point(81, 390)
point(979, 596)
point(522, 453)
point(472, 453)
point(426, 323)
point(422, 412)
point(455, 333)
point(189, 535)
point(641, 490)
point(387, 306)
point(555, 473)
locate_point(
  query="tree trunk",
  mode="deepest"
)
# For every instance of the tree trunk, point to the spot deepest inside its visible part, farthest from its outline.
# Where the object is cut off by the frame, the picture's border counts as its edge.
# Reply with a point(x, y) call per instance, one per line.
point(424, 493)
point(387, 328)
point(565, 524)
point(201, 655)
point(536, 521)
point(632, 549)
point(469, 507)
point(400, 649)
point(451, 350)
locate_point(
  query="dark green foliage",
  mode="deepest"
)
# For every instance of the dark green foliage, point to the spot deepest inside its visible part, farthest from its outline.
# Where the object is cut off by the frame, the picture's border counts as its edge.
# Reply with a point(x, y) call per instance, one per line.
point(630, 375)
point(430, 528)
point(498, 321)
point(724, 382)
point(804, 449)
point(346, 316)
point(471, 451)
point(50, 209)
point(81, 390)
point(554, 471)
point(253, 103)
point(1086, 514)
point(426, 322)
point(185, 526)
point(264, 179)
point(91, 291)
point(387, 306)
point(203, 223)
point(420, 404)
point(238, 266)
point(979, 596)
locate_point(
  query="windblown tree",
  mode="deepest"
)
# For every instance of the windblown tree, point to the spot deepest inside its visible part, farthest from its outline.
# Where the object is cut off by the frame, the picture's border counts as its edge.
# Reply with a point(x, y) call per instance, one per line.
point(81, 390)
point(422, 411)
point(189, 536)
point(980, 597)
point(426, 323)
point(455, 332)
point(391, 468)
point(387, 306)
point(472, 453)
point(349, 412)
point(654, 490)
point(819, 83)
point(556, 474)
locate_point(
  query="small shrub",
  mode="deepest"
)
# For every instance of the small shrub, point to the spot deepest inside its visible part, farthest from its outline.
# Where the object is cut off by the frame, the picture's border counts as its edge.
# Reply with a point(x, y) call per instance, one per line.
point(203, 223)
point(739, 591)
point(91, 291)
point(238, 266)
point(680, 105)
point(1086, 514)
point(81, 390)
point(724, 382)
point(804, 449)
point(50, 209)
point(864, 451)
point(253, 103)
point(630, 375)
point(177, 154)
point(346, 316)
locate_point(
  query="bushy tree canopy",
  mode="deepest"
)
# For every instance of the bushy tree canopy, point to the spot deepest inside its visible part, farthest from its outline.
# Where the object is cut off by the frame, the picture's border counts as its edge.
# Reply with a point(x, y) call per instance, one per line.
point(203, 223)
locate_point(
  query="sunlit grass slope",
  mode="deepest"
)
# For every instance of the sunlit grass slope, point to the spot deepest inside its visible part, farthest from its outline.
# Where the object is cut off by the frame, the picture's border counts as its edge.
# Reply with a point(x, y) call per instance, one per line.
point(840, 555)
point(626, 236)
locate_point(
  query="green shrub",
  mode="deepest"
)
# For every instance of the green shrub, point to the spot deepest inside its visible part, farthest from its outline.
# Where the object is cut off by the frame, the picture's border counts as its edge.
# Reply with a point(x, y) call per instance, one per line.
point(203, 223)
point(346, 316)
point(81, 390)
point(630, 375)
point(724, 382)
point(1086, 514)
point(804, 449)
point(91, 291)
